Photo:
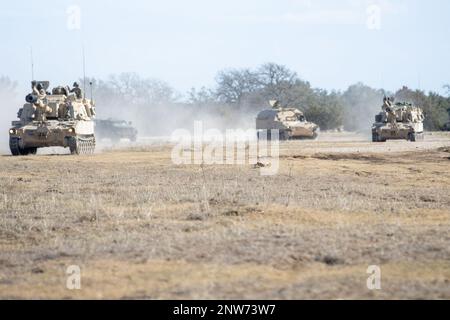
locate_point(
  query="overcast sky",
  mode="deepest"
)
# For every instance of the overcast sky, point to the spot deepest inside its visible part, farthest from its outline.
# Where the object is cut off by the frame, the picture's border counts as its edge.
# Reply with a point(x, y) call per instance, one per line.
point(332, 44)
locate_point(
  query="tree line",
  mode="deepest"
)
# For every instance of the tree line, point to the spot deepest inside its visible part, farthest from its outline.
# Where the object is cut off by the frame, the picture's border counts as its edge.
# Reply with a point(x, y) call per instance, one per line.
point(352, 109)
point(244, 92)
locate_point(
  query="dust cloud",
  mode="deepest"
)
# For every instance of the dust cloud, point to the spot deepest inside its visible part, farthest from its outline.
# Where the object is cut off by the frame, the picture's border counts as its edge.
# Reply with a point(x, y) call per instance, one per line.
point(161, 120)
point(11, 104)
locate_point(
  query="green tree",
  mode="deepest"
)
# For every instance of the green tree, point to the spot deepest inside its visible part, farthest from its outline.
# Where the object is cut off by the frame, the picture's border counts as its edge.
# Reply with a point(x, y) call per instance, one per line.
point(325, 109)
point(433, 105)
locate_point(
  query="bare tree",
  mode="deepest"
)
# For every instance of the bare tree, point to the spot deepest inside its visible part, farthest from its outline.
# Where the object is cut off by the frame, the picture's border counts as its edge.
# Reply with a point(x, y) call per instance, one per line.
point(277, 80)
point(233, 85)
point(201, 97)
point(137, 90)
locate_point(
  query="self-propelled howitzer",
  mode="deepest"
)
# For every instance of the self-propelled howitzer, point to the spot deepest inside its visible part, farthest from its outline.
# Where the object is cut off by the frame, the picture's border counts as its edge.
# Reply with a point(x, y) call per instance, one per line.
point(59, 118)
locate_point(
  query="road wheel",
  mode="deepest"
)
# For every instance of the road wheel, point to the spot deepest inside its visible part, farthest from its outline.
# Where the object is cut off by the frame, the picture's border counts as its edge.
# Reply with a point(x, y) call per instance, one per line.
point(412, 137)
point(284, 135)
point(14, 146)
point(375, 137)
point(74, 146)
point(31, 150)
point(16, 150)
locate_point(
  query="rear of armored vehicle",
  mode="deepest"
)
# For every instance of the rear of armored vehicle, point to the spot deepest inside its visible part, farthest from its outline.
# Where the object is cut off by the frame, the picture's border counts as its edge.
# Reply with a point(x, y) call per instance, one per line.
point(125, 130)
point(266, 121)
point(115, 130)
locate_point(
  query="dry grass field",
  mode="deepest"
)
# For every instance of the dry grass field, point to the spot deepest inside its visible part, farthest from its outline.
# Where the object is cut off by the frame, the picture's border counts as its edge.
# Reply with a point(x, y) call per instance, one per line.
point(141, 227)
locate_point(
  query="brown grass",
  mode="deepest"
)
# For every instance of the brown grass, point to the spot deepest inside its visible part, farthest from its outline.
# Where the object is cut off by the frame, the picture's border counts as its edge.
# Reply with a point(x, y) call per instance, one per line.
point(141, 227)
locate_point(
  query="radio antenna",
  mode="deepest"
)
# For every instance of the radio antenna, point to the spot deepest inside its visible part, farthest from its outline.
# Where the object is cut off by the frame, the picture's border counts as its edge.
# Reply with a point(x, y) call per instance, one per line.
point(84, 75)
point(32, 63)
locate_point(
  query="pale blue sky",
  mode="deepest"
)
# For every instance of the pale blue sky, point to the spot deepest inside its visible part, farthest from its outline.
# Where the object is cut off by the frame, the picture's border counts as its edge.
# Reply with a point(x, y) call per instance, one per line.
point(185, 43)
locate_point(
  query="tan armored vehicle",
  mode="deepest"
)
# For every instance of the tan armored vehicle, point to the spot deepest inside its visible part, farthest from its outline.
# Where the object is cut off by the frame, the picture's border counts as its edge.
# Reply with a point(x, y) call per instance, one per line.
point(60, 118)
point(398, 121)
point(290, 122)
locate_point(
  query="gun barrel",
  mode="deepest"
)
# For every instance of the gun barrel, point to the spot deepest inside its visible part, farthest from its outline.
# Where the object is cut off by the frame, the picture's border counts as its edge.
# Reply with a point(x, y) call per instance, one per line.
point(31, 98)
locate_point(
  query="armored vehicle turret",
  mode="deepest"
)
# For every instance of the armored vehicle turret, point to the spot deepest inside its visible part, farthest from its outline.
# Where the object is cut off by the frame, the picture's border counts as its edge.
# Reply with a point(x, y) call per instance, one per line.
point(290, 122)
point(60, 118)
point(398, 121)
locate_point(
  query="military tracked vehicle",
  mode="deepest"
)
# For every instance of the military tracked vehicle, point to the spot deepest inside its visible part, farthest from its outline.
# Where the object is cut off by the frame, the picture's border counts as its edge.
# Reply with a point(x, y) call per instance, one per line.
point(115, 130)
point(60, 118)
point(398, 121)
point(446, 126)
point(290, 122)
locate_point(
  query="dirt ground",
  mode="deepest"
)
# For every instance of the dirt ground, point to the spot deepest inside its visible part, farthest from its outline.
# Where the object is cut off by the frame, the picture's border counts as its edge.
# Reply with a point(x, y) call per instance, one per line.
point(140, 226)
